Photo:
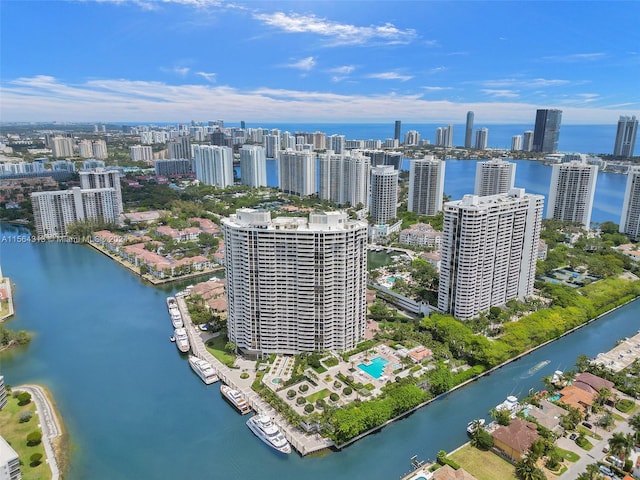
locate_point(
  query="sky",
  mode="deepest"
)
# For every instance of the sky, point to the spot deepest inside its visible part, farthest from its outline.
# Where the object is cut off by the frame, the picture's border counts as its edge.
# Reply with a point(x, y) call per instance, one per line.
point(318, 61)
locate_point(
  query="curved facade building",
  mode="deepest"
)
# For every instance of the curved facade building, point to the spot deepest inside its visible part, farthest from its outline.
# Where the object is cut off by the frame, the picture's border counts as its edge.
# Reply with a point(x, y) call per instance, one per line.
point(295, 284)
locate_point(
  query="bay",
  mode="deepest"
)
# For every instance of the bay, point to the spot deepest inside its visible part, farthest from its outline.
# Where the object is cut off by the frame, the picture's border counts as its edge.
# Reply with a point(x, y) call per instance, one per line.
point(134, 409)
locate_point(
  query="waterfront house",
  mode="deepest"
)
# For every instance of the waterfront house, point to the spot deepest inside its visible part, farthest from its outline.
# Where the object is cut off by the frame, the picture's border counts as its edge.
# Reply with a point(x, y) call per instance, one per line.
point(577, 397)
point(447, 473)
point(516, 438)
point(548, 414)
point(592, 383)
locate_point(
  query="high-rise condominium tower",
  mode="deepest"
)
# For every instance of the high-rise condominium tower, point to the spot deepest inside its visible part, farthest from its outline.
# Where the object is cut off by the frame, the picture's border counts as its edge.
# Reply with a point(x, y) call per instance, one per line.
point(573, 186)
point(482, 138)
point(54, 211)
point(295, 285)
point(344, 179)
point(101, 178)
point(489, 251)
point(397, 130)
point(527, 142)
point(384, 194)
point(426, 185)
point(468, 133)
point(180, 147)
point(253, 166)
point(630, 218)
point(626, 137)
point(516, 143)
point(297, 172)
point(213, 165)
point(62, 147)
point(494, 176)
point(547, 131)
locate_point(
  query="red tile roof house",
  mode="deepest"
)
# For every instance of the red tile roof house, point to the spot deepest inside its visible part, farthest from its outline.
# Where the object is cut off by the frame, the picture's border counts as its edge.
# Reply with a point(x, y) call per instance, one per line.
point(515, 439)
point(184, 235)
point(592, 383)
point(206, 225)
point(111, 241)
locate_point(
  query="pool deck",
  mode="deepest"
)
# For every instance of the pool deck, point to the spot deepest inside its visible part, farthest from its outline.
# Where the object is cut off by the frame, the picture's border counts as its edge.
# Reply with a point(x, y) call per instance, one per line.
point(622, 355)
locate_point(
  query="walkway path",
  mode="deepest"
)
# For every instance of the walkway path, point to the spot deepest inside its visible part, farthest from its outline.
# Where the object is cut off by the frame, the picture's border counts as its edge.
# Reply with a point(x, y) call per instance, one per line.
point(302, 442)
point(5, 287)
point(48, 423)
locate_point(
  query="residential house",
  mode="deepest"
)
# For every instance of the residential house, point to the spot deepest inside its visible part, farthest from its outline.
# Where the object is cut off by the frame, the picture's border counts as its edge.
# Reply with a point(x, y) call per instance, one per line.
point(516, 438)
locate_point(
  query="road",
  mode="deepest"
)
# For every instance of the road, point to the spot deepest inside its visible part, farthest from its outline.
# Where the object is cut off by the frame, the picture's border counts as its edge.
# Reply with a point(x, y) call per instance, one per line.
point(48, 423)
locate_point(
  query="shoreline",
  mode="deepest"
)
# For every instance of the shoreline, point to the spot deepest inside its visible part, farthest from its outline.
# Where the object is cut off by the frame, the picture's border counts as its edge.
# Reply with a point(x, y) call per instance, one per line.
point(476, 378)
point(54, 434)
point(6, 282)
point(148, 278)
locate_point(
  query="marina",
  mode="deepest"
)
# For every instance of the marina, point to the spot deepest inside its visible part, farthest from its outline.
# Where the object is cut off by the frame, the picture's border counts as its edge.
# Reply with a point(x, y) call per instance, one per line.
point(203, 369)
point(622, 355)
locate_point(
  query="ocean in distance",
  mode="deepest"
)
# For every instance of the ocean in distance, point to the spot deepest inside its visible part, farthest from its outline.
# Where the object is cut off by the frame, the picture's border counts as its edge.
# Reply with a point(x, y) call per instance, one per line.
point(594, 139)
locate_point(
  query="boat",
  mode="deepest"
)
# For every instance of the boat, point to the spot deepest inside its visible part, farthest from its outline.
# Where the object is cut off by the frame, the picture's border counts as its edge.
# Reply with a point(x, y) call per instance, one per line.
point(176, 317)
point(182, 340)
point(538, 366)
point(263, 427)
point(510, 404)
point(203, 369)
point(235, 398)
point(474, 424)
point(171, 302)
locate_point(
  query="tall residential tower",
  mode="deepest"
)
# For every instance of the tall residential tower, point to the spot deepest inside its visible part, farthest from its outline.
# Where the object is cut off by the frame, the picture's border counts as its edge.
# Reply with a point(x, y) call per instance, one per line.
point(489, 251)
point(571, 192)
point(426, 185)
point(547, 131)
point(630, 218)
point(626, 137)
point(384, 194)
point(494, 176)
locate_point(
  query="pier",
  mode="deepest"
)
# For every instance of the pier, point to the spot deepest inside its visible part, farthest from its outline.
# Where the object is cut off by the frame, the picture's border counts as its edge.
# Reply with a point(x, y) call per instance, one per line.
point(302, 442)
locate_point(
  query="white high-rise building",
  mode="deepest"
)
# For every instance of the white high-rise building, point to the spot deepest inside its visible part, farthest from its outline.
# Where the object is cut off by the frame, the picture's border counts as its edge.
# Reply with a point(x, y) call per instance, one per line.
point(62, 147)
point(444, 136)
point(297, 172)
point(384, 194)
point(253, 166)
point(527, 142)
point(54, 211)
point(99, 149)
point(213, 165)
point(337, 143)
point(141, 153)
point(101, 178)
point(573, 186)
point(295, 285)
point(482, 138)
point(319, 140)
point(85, 148)
point(272, 145)
point(630, 218)
point(489, 251)
point(9, 462)
point(626, 137)
point(180, 147)
point(494, 176)
point(426, 185)
point(344, 179)
point(412, 138)
point(516, 143)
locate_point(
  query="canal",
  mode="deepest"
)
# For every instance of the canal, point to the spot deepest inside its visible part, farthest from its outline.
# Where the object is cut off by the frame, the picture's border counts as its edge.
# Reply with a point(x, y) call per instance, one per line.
point(134, 409)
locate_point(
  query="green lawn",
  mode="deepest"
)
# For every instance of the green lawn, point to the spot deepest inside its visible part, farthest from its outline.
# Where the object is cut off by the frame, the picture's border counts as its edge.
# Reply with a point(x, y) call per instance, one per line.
point(483, 465)
point(216, 345)
point(15, 433)
point(318, 395)
point(568, 455)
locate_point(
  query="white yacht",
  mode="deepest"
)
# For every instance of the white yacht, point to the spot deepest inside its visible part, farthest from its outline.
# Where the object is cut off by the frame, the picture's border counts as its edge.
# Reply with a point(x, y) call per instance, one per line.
point(203, 369)
point(475, 424)
point(176, 318)
point(171, 302)
point(235, 398)
point(267, 431)
point(182, 340)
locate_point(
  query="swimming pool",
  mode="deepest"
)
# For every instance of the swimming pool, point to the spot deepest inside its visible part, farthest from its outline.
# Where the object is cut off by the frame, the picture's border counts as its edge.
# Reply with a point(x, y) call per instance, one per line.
point(374, 368)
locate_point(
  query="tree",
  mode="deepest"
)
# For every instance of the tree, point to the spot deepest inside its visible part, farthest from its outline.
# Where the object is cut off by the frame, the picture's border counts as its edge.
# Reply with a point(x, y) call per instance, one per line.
point(592, 472)
point(25, 416)
point(602, 396)
point(526, 469)
point(634, 422)
point(503, 417)
point(34, 438)
point(36, 459)
point(24, 398)
point(606, 421)
point(582, 363)
point(621, 445)
point(230, 347)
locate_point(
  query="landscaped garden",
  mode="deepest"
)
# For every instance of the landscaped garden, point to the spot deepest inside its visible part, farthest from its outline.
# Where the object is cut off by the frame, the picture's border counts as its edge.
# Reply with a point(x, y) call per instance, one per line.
point(483, 464)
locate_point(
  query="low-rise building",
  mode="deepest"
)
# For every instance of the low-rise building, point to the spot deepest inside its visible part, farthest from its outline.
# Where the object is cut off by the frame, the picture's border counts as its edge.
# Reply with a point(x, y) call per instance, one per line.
point(516, 438)
point(421, 234)
point(9, 462)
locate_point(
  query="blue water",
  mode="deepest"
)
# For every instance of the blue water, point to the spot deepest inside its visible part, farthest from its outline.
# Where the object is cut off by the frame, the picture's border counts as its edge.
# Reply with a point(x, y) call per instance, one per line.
point(134, 409)
point(375, 368)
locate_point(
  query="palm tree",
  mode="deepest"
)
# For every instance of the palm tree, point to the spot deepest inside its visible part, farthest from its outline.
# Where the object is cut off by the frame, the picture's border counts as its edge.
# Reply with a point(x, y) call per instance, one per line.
point(634, 422)
point(606, 421)
point(620, 444)
point(526, 469)
point(592, 472)
point(603, 395)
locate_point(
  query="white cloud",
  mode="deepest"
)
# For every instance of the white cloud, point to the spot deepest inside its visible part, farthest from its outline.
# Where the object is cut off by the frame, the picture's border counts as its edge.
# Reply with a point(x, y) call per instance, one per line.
point(437, 70)
point(525, 83)
point(575, 57)
point(305, 64)
point(437, 89)
point(209, 77)
point(337, 33)
point(390, 76)
point(43, 98)
point(155, 4)
point(344, 69)
point(500, 93)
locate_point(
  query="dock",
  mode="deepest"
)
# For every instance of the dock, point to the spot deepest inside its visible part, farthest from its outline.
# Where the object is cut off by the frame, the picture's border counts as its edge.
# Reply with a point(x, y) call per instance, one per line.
point(302, 442)
point(621, 356)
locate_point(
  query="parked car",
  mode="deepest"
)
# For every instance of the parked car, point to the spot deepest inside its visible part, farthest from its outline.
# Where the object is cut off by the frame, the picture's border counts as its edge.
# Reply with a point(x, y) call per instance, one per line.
point(588, 425)
point(606, 470)
point(573, 436)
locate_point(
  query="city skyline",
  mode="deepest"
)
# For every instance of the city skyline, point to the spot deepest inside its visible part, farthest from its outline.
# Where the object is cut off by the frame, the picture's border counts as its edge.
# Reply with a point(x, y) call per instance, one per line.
point(325, 61)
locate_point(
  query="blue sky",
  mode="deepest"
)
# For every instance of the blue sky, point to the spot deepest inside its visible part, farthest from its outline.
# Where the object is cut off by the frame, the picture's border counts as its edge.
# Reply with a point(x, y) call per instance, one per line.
point(318, 61)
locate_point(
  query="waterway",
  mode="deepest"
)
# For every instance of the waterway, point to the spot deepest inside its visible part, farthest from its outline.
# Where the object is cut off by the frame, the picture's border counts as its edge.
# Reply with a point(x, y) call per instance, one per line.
point(533, 176)
point(134, 409)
